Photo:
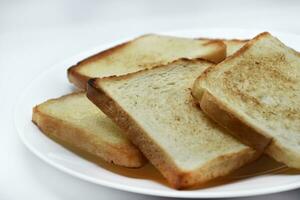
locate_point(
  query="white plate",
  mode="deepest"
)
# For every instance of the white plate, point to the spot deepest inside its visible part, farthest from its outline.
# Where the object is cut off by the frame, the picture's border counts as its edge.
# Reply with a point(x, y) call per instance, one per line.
point(53, 83)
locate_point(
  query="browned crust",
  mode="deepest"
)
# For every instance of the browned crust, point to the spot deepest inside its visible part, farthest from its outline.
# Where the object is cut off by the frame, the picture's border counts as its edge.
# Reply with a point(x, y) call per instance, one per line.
point(236, 125)
point(80, 80)
point(177, 178)
point(122, 155)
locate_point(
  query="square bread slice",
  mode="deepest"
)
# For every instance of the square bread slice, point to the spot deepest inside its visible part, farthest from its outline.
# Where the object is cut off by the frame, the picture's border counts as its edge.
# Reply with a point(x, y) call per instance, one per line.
point(256, 95)
point(78, 122)
point(143, 52)
point(156, 110)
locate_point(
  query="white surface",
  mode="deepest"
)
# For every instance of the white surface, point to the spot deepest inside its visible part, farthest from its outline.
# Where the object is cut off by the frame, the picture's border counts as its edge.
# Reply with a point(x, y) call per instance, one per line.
point(37, 34)
point(54, 80)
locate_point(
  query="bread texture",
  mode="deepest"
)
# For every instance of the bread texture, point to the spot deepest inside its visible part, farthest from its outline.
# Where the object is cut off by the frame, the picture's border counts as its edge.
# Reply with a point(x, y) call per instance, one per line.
point(141, 53)
point(155, 109)
point(78, 122)
point(232, 45)
point(255, 94)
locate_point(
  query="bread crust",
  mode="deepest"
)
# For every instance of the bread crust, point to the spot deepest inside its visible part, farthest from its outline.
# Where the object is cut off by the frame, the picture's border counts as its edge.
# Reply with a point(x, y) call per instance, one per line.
point(79, 139)
point(234, 124)
point(80, 80)
point(177, 177)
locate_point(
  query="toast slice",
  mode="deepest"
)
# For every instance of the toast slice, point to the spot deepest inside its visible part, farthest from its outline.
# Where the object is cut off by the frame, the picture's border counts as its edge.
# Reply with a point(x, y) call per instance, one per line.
point(232, 45)
point(156, 110)
point(78, 122)
point(256, 95)
point(143, 52)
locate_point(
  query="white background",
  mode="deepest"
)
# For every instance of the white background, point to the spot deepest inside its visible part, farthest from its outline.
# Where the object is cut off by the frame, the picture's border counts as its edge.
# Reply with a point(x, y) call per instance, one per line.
point(37, 34)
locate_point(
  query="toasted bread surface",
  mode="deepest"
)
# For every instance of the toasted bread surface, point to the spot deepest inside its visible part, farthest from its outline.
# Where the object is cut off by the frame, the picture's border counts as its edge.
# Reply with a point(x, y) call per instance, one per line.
point(76, 121)
point(156, 110)
point(257, 88)
point(144, 52)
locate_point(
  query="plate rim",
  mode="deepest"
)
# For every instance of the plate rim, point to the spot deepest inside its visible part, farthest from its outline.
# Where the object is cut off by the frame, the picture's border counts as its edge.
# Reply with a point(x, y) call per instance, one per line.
point(123, 187)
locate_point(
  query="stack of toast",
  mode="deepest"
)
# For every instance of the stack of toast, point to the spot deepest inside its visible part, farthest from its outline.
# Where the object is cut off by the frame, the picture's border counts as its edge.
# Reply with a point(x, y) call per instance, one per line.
point(196, 109)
